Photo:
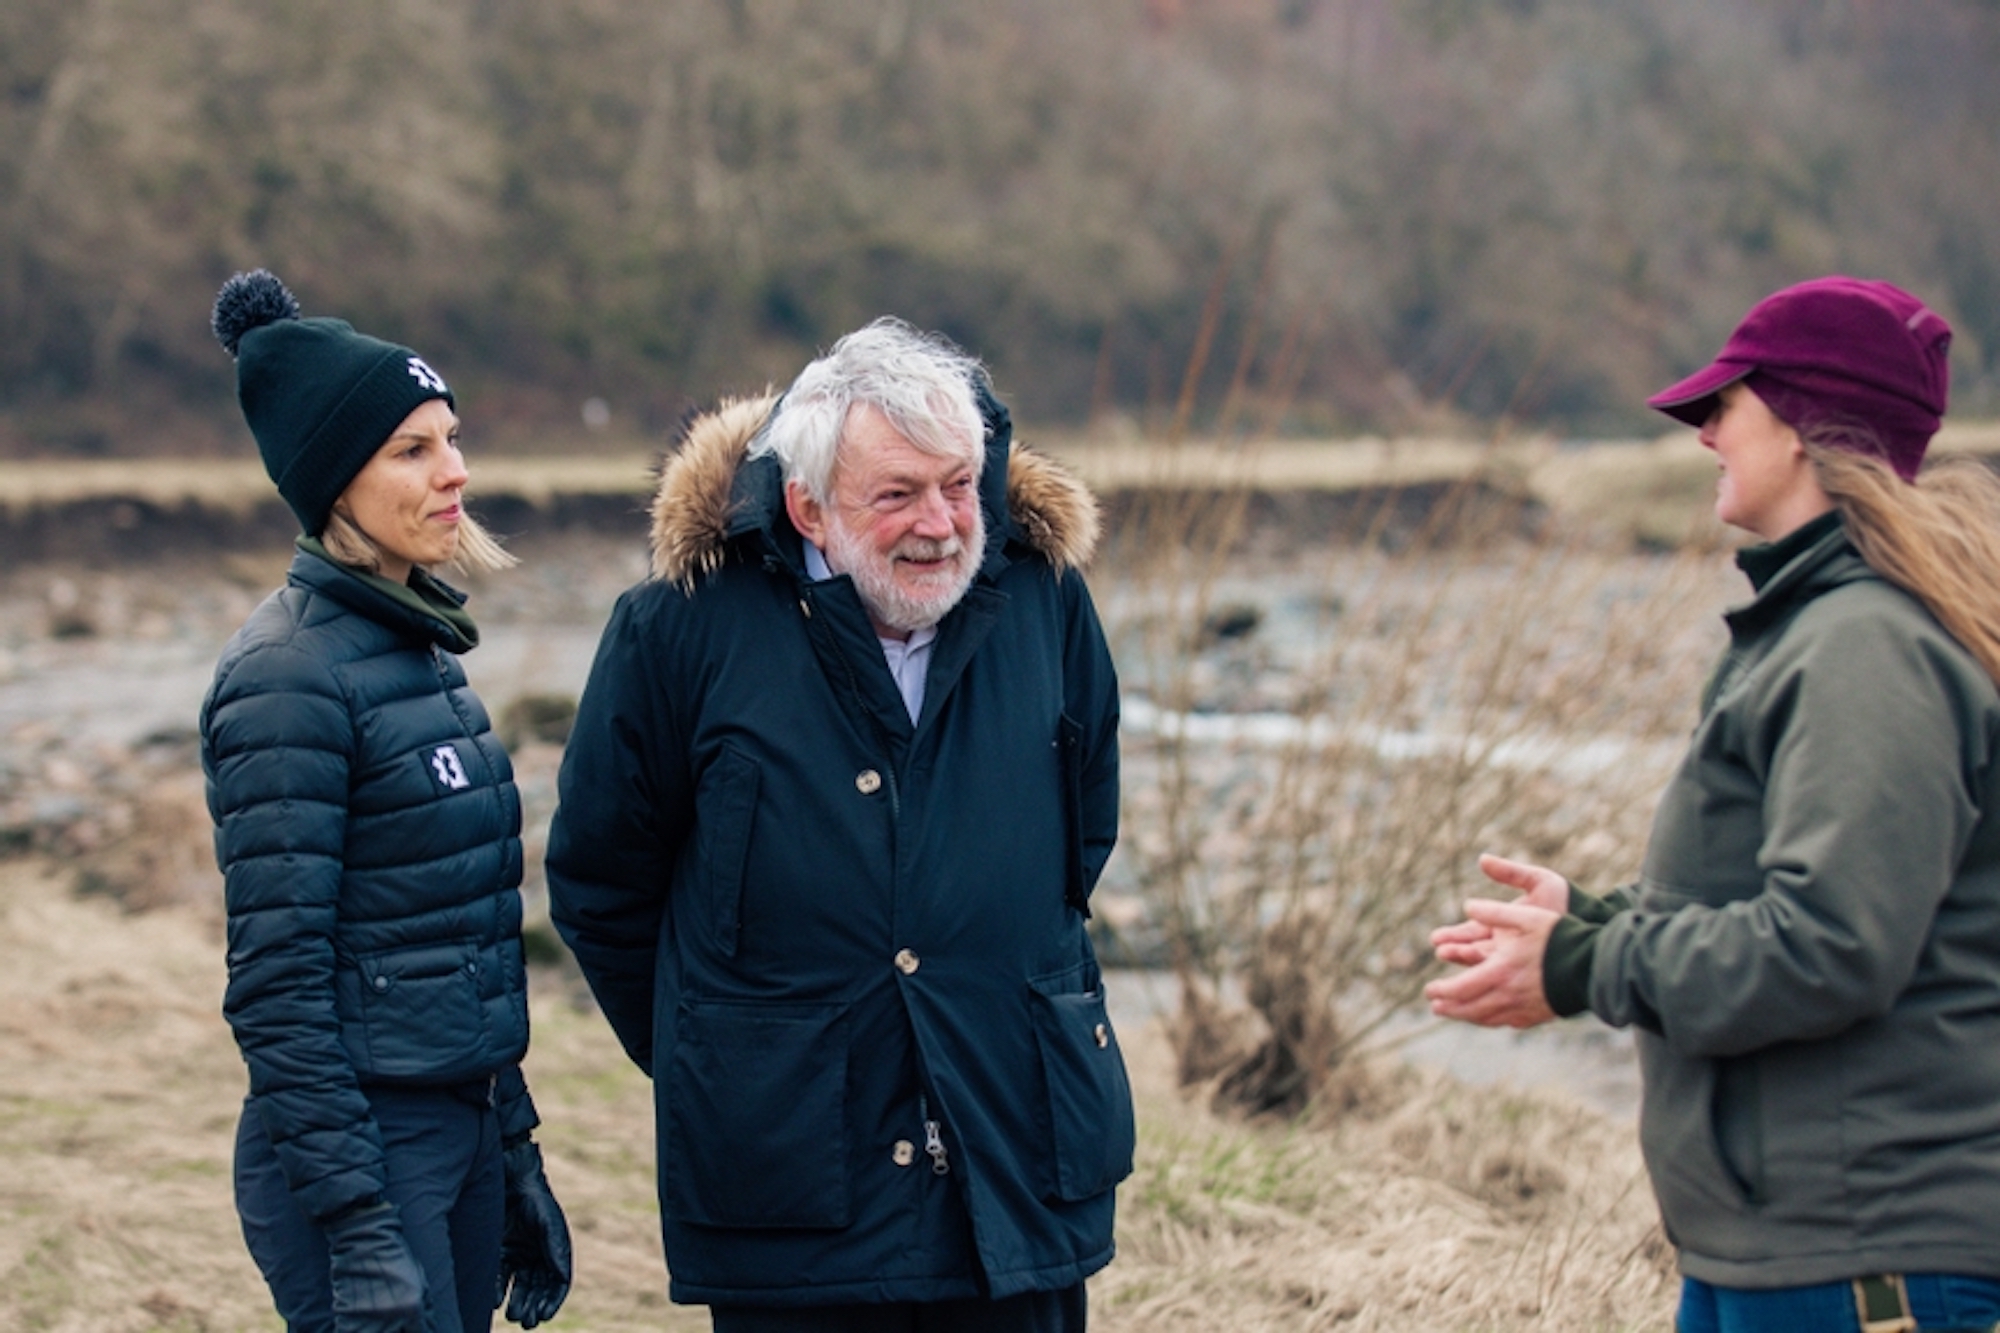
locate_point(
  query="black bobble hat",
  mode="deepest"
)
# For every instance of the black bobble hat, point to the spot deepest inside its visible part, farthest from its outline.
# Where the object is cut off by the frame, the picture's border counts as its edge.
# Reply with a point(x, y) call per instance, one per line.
point(319, 397)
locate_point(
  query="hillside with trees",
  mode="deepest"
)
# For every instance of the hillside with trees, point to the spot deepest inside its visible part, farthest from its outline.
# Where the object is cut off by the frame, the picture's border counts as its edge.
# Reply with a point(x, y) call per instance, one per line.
point(1348, 214)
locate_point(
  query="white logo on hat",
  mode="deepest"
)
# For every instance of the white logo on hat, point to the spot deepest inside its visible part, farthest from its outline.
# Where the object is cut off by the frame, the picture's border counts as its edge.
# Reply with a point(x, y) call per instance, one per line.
point(425, 376)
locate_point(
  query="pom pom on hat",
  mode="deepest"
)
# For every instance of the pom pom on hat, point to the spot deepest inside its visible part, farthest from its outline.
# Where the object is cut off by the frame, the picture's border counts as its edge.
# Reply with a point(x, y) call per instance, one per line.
point(250, 301)
point(319, 397)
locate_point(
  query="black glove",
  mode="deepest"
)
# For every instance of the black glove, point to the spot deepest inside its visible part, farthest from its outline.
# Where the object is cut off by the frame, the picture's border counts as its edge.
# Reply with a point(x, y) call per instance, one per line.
point(378, 1286)
point(534, 1247)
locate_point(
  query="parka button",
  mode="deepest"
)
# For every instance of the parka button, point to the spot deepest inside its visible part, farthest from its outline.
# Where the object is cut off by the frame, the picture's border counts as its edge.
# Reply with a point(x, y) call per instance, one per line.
point(903, 1153)
point(381, 983)
point(868, 782)
point(906, 962)
point(1103, 1035)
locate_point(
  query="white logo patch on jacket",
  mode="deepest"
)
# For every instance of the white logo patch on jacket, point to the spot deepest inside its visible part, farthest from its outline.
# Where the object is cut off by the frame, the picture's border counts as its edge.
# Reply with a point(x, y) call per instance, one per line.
point(450, 772)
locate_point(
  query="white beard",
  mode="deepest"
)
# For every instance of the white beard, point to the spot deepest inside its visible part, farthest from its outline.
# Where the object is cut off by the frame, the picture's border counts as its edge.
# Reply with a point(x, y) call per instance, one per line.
point(890, 603)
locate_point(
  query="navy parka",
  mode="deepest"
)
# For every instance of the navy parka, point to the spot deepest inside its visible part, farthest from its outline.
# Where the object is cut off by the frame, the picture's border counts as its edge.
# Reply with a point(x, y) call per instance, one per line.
point(850, 948)
point(368, 830)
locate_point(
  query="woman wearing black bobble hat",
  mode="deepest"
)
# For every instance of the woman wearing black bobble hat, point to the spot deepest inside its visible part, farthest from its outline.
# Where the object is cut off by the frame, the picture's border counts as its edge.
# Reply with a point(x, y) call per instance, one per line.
point(368, 830)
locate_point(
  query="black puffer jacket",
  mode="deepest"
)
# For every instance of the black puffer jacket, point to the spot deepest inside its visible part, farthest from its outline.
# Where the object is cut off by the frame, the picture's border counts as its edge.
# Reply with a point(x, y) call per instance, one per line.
point(368, 828)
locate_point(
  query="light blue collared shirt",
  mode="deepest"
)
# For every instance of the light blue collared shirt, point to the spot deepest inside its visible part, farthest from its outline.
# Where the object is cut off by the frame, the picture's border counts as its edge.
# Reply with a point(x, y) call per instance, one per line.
point(909, 659)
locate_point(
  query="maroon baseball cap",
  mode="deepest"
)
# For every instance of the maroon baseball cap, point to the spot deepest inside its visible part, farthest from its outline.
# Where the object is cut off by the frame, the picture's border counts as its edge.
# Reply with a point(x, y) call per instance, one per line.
point(1861, 356)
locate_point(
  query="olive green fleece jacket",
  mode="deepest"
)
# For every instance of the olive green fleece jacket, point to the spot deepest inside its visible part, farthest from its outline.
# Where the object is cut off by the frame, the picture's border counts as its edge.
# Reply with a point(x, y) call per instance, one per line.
point(1812, 952)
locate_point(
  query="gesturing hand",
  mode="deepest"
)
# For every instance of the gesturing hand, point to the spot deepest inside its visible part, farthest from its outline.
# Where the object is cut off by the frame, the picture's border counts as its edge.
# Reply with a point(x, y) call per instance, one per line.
point(1469, 942)
point(1501, 986)
point(1539, 886)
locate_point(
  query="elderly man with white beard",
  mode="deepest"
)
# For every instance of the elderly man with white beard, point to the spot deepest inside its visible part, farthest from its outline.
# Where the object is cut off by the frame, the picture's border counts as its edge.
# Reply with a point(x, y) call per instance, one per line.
point(840, 786)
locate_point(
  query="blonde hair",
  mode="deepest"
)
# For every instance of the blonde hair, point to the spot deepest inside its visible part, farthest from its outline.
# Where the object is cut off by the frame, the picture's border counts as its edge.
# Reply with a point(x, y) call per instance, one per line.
point(478, 550)
point(1937, 538)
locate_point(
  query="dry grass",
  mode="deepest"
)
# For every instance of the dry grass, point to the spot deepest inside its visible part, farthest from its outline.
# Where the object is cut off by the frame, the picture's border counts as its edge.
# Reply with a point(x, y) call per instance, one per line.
point(117, 1118)
point(1427, 1206)
point(1419, 1204)
point(119, 1115)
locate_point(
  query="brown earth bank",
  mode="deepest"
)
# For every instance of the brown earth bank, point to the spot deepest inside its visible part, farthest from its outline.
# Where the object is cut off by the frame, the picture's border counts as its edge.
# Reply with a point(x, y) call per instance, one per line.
point(112, 516)
point(1653, 493)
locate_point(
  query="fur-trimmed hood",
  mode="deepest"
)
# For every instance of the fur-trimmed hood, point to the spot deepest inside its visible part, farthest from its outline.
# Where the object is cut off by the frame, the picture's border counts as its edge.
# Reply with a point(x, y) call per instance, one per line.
point(705, 497)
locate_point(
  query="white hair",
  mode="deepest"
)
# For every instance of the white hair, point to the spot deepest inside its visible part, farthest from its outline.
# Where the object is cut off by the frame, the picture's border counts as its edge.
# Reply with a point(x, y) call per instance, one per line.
point(920, 382)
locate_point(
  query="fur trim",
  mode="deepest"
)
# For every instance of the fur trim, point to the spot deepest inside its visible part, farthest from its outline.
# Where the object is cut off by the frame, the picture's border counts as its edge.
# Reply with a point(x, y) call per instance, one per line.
point(1053, 507)
point(691, 510)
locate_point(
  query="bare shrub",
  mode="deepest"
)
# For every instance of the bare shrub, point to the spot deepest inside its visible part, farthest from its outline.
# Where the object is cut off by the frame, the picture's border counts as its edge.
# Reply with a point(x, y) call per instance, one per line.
point(1305, 804)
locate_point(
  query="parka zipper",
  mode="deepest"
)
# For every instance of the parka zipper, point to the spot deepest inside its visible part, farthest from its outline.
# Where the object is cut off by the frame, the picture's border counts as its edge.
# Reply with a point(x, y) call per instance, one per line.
point(933, 1139)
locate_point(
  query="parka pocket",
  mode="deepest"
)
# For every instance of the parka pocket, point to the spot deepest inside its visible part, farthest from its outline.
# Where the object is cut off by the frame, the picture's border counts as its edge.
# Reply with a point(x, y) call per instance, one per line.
point(418, 1010)
point(1090, 1097)
point(757, 1116)
point(726, 815)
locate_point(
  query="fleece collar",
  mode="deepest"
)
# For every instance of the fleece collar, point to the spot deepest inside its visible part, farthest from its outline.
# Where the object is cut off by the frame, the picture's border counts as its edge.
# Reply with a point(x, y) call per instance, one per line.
point(1795, 569)
point(1762, 562)
point(426, 606)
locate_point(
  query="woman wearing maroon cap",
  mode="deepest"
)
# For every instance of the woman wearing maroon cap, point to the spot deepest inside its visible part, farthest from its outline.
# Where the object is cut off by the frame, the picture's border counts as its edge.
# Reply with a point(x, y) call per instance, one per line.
point(1811, 953)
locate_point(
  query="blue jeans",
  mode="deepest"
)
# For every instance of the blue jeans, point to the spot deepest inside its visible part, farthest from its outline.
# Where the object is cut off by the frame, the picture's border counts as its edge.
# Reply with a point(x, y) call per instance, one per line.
point(443, 1158)
point(1938, 1300)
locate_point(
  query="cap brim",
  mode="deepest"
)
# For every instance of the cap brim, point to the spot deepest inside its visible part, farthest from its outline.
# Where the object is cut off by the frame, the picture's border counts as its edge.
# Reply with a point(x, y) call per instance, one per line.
point(1693, 398)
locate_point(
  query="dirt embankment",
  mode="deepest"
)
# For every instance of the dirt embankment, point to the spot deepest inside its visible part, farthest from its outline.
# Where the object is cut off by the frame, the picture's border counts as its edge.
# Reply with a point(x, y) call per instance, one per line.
point(106, 513)
point(126, 525)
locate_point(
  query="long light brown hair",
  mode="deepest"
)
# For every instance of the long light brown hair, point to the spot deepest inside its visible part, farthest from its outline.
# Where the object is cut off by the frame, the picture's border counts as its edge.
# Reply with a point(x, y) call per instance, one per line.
point(1938, 538)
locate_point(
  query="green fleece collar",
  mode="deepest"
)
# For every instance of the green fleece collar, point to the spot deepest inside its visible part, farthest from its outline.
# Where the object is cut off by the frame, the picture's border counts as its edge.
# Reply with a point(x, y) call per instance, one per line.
point(435, 604)
point(1762, 562)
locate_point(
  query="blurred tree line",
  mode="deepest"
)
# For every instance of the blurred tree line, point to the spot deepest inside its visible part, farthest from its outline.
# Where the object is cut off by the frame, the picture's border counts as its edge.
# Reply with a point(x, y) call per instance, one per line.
point(1345, 214)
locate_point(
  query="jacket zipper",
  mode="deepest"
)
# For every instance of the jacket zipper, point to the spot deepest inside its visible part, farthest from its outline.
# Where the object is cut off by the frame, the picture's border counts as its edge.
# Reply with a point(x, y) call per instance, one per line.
point(933, 1139)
